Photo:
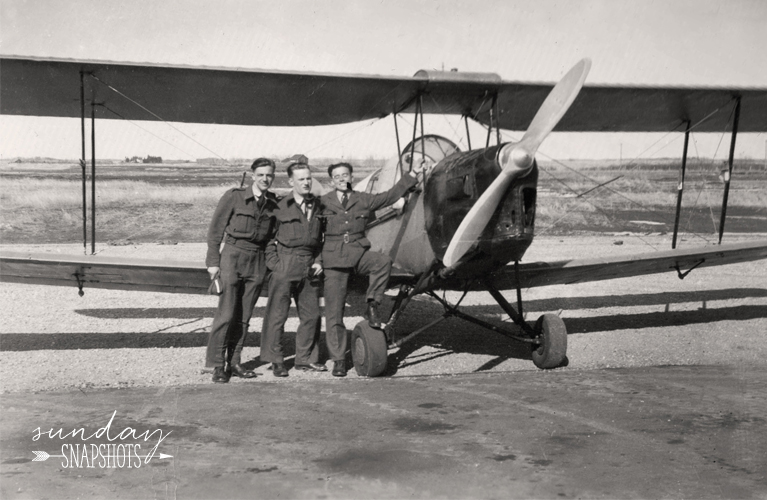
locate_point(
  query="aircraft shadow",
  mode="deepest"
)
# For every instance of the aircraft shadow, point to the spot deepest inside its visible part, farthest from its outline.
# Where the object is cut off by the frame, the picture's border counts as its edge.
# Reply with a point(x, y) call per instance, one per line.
point(548, 304)
point(449, 337)
point(457, 336)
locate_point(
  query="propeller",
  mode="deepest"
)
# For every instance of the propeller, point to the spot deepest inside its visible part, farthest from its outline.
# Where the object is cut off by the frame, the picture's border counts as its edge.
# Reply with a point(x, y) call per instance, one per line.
point(516, 160)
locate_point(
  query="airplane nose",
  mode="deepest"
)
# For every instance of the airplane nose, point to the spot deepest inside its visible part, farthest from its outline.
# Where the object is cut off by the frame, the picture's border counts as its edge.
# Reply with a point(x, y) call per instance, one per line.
point(518, 157)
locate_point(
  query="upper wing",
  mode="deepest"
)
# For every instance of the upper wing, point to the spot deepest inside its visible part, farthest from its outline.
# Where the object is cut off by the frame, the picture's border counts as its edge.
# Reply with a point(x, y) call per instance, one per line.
point(51, 87)
point(596, 269)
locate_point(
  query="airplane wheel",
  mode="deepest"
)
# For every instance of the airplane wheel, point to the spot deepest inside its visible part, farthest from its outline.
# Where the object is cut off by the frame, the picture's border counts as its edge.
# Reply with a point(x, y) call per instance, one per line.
point(369, 350)
point(552, 353)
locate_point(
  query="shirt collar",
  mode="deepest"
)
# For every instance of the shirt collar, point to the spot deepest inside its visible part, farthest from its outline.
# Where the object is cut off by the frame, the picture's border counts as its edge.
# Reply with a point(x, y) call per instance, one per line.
point(300, 198)
point(256, 192)
point(340, 194)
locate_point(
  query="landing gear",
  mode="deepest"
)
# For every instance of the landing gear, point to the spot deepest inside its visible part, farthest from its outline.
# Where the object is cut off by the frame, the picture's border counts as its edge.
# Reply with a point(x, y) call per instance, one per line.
point(551, 352)
point(547, 339)
point(369, 350)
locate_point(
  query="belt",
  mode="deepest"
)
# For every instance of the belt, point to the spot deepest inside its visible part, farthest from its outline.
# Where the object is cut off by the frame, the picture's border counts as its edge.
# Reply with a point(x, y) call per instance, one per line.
point(346, 237)
point(244, 244)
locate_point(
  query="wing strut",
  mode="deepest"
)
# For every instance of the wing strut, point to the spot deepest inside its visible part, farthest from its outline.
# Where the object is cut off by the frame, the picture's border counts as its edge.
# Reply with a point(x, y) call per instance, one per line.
point(680, 185)
point(468, 136)
point(93, 175)
point(728, 174)
point(493, 122)
point(396, 134)
point(82, 161)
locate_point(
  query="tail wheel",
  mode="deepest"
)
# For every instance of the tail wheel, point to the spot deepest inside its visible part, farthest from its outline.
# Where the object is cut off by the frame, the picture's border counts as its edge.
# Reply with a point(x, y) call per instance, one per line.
point(552, 352)
point(369, 350)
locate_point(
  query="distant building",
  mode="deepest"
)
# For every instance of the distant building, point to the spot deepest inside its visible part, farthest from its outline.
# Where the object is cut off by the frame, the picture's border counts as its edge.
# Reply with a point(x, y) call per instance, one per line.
point(152, 159)
point(299, 158)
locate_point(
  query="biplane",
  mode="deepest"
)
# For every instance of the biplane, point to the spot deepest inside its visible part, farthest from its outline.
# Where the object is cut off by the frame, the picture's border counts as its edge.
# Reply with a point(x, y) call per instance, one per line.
point(470, 221)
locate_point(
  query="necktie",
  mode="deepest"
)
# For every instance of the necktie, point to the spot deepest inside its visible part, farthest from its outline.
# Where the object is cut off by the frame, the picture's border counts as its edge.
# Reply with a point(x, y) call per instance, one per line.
point(308, 209)
point(261, 202)
point(344, 199)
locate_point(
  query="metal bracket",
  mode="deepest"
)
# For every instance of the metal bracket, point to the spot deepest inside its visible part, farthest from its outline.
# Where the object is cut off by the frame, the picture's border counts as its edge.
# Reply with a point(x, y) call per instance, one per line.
point(80, 282)
point(681, 274)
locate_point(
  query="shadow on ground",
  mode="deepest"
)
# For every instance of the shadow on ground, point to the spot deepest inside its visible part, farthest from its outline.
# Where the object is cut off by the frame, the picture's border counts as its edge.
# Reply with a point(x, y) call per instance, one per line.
point(451, 336)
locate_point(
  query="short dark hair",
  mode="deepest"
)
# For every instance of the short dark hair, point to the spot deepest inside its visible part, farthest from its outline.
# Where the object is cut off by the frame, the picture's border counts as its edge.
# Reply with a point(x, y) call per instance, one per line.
point(297, 166)
point(262, 162)
point(339, 165)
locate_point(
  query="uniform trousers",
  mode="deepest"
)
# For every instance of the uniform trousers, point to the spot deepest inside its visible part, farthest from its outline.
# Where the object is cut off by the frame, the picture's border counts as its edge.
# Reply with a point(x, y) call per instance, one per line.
point(289, 279)
point(374, 264)
point(243, 274)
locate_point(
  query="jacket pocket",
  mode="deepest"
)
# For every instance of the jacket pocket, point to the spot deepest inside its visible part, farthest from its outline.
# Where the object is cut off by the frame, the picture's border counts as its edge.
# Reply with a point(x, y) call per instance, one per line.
point(242, 224)
point(359, 223)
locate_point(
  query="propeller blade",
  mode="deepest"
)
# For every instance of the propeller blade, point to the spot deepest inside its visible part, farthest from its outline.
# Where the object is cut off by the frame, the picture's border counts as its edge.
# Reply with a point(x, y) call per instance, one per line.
point(555, 106)
point(516, 159)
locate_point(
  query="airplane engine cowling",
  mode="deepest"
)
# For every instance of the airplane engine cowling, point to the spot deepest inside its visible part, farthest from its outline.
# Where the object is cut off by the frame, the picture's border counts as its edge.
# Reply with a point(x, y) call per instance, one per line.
point(453, 187)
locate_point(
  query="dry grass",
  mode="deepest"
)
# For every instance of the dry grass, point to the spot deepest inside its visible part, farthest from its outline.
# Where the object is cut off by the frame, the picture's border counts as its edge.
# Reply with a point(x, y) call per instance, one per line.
point(652, 188)
point(55, 195)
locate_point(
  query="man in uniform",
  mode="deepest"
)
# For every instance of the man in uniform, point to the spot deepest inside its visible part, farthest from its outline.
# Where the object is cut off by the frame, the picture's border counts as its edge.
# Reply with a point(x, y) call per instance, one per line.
point(295, 260)
point(244, 222)
point(346, 251)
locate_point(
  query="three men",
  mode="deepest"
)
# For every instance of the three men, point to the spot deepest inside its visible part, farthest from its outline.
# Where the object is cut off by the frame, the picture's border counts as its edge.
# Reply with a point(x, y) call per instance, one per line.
point(295, 260)
point(244, 222)
point(346, 251)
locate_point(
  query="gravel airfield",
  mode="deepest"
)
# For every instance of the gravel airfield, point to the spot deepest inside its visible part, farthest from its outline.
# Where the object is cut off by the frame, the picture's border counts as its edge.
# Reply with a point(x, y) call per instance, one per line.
point(117, 339)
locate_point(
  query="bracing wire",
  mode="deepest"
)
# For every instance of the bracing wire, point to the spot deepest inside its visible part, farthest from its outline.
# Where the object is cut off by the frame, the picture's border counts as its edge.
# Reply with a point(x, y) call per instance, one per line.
point(349, 132)
point(156, 116)
point(704, 184)
point(457, 135)
point(146, 130)
point(577, 172)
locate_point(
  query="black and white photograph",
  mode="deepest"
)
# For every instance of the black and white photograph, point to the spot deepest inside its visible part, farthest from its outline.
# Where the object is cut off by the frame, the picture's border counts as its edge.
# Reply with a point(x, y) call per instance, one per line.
point(401, 249)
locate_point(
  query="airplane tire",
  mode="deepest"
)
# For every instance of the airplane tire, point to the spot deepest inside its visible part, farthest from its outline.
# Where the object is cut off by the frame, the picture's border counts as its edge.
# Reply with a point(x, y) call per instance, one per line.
point(369, 350)
point(552, 353)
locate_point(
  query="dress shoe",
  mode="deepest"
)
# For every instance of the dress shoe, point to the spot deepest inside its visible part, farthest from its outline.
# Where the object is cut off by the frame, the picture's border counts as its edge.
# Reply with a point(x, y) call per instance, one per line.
point(371, 314)
point(311, 367)
point(339, 368)
point(239, 371)
point(220, 375)
point(279, 370)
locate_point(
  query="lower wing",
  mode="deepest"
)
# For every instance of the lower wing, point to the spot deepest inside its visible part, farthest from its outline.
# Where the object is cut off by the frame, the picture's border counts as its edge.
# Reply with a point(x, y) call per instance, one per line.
point(564, 272)
point(184, 277)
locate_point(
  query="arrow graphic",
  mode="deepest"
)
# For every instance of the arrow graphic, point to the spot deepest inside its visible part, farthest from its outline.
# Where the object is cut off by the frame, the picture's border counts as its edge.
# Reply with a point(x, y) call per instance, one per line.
point(41, 456)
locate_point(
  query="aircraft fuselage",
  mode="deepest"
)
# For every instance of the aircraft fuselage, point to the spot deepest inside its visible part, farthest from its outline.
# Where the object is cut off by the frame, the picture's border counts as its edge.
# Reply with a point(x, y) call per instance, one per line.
point(424, 230)
point(455, 185)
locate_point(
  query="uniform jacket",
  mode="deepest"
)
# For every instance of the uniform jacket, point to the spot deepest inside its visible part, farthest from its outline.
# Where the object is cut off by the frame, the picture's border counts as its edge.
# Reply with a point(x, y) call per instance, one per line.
point(345, 240)
point(295, 233)
point(238, 219)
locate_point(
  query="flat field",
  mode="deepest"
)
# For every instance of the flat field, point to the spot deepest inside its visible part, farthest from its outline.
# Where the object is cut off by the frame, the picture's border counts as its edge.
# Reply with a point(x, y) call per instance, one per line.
point(173, 202)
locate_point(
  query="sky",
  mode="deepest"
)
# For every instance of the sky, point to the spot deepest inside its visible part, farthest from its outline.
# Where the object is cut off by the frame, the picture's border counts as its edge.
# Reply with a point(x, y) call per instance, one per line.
point(703, 42)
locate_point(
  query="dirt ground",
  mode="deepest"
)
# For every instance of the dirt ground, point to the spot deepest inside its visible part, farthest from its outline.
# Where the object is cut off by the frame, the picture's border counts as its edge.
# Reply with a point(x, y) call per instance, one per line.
point(663, 396)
